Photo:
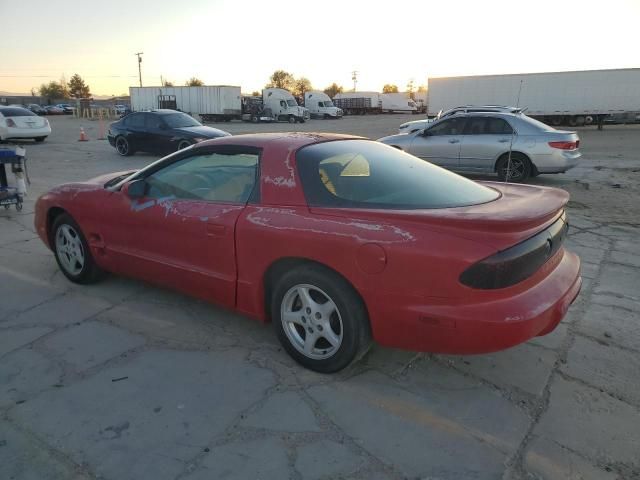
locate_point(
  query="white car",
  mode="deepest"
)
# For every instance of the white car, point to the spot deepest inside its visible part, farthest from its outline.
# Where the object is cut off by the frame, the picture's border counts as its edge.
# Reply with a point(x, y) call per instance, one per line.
point(19, 123)
point(415, 125)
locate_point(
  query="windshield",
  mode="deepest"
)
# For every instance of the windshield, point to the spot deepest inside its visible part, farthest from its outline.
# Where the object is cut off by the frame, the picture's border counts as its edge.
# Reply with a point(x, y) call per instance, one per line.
point(16, 112)
point(367, 174)
point(180, 120)
point(292, 103)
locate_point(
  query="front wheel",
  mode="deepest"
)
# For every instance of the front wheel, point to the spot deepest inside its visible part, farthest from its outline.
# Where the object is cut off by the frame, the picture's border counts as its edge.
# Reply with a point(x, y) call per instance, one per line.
point(292, 119)
point(123, 147)
point(72, 251)
point(516, 170)
point(183, 144)
point(319, 318)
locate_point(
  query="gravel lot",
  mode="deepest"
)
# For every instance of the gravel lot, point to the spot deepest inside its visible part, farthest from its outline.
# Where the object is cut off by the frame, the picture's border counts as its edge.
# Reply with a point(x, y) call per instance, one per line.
point(122, 380)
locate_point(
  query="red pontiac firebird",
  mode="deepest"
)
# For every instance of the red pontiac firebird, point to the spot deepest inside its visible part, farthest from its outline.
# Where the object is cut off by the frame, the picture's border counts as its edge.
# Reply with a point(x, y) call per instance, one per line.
point(336, 240)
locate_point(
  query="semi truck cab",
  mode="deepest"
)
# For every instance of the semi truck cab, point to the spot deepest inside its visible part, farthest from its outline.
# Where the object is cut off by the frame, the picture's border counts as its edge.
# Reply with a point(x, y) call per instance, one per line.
point(321, 106)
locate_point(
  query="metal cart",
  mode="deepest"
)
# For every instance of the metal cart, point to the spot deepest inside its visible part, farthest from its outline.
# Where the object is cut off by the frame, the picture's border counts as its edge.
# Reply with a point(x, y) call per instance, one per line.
point(15, 157)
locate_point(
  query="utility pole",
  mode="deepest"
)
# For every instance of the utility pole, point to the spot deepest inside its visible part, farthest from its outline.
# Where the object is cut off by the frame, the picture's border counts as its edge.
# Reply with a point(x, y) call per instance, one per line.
point(354, 77)
point(139, 66)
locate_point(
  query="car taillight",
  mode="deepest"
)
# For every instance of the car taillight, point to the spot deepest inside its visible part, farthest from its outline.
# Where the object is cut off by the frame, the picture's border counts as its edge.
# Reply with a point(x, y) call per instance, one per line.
point(565, 145)
point(519, 262)
point(10, 123)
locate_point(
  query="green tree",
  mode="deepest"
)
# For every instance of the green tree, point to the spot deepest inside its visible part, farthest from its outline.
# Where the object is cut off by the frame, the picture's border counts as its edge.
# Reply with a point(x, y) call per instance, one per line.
point(390, 88)
point(54, 90)
point(167, 83)
point(255, 93)
point(77, 87)
point(281, 79)
point(411, 88)
point(333, 89)
point(194, 82)
point(33, 92)
point(301, 85)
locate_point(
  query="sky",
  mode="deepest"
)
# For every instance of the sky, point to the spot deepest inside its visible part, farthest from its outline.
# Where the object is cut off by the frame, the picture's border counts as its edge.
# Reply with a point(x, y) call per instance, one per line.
point(241, 42)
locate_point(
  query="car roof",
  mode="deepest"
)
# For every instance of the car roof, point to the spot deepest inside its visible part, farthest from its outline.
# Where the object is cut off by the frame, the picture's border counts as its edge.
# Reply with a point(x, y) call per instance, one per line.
point(289, 140)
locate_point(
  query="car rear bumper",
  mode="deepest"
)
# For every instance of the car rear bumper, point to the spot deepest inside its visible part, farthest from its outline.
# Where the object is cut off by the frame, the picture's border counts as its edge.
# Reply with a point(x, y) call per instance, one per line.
point(558, 161)
point(504, 320)
point(27, 132)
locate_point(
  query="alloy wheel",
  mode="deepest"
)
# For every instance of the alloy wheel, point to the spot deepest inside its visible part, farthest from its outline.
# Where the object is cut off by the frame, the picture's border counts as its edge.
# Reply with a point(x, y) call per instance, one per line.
point(69, 249)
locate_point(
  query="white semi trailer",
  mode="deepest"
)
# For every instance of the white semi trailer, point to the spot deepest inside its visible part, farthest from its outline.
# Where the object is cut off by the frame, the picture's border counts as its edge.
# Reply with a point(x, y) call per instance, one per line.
point(361, 103)
point(212, 103)
point(557, 98)
point(320, 105)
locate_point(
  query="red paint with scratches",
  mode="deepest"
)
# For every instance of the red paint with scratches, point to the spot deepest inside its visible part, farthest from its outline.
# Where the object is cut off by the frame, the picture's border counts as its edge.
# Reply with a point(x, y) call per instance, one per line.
point(404, 264)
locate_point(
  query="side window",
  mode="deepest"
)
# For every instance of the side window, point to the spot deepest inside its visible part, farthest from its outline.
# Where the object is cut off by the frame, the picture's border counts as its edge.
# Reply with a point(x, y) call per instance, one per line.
point(135, 120)
point(216, 177)
point(283, 104)
point(453, 126)
point(152, 121)
point(498, 126)
point(476, 126)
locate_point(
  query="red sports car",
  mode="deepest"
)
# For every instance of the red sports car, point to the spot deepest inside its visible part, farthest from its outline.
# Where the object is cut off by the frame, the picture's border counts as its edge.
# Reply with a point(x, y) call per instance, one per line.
point(335, 239)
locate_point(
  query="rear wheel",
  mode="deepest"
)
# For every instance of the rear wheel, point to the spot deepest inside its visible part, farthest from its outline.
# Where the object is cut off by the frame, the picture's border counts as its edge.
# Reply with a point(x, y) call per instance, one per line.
point(517, 170)
point(123, 147)
point(319, 318)
point(183, 144)
point(72, 251)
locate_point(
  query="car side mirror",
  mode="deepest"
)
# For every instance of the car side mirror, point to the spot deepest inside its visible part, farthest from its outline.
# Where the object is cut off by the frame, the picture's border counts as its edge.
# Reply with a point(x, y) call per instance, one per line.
point(135, 188)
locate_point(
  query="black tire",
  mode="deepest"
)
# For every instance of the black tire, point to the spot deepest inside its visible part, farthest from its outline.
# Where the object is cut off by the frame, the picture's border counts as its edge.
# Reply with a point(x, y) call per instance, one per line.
point(350, 316)
point(254, 119)
point(39, 139)
point(182, 144)
point(520, 168)
point(327, 116)
point(302, 120)
point(123, 147)
point(89, 271)
point(292, 119)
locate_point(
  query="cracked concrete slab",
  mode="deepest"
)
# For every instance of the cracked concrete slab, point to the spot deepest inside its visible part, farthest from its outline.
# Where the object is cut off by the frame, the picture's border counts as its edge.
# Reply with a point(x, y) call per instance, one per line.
point(326, 458)
point(23, 459)
point(526, 367)
point(423, 435)
point(283, 411)
point(619, 280)
point(612, 324)
point(90, 344)
point(147, 417)
point(25, 373)
point(606, 367)
point(264, 458)
point(16, 338)
point(591, 423)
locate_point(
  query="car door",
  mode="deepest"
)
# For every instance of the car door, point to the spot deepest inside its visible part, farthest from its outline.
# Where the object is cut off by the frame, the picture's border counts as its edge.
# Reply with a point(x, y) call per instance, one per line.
point(135, 128)
point(485, 137)
point(158, 134)
point(440, 143)
point(181, 233)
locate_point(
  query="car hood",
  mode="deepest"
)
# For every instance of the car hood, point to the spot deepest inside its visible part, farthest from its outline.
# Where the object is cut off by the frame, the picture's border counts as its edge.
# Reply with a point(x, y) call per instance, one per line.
point(397, 137)
point(203, 131)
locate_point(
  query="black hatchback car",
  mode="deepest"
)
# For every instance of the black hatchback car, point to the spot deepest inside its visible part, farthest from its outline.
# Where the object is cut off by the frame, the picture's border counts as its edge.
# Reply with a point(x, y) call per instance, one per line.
point(158, 131)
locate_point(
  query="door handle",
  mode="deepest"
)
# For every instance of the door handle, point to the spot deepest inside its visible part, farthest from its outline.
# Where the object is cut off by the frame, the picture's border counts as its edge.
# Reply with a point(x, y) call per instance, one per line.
point(214, 229)
point(454, 140)
point(503, 140)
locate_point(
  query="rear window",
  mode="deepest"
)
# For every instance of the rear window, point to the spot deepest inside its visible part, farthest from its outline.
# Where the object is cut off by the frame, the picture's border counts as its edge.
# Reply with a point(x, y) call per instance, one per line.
point(367, 174)
point(16, 112)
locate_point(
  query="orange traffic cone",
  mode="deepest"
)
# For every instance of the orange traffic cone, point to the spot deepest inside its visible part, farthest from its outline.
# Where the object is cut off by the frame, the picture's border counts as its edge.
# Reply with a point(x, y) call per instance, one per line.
point(83, 136)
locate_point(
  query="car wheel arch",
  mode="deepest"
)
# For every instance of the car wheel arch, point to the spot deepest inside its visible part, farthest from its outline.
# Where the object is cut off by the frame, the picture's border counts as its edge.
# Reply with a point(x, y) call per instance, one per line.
point(52, 214)
point(282, 265)
point(513, 152)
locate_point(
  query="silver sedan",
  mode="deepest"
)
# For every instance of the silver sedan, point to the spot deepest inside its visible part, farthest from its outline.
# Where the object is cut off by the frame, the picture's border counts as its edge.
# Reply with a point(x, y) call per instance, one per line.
point(510, 144)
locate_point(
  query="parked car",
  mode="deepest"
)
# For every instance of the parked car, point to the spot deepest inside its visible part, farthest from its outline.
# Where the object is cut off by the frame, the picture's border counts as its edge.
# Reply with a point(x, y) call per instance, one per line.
point(21, 123)
point(510, 144)
point(334, 239)
point(66, 108)
point(414, 125)
point(53, 110)
point(37, 109)
point(158, 131)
